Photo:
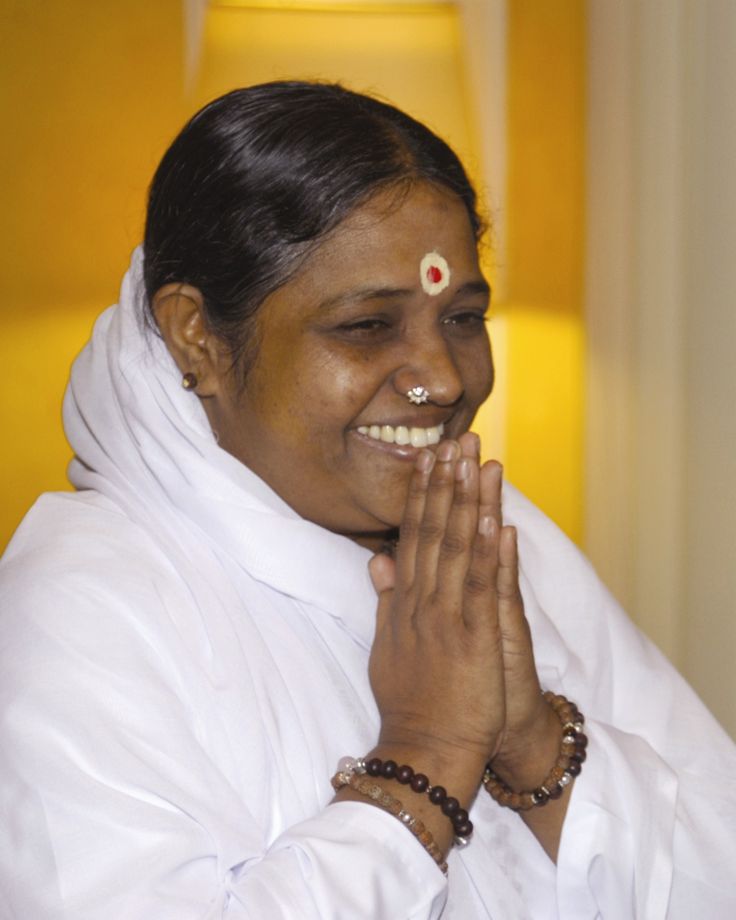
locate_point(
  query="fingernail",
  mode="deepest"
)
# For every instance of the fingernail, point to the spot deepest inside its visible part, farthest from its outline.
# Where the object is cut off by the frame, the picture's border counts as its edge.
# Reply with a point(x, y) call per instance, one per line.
point(425, 461)
point(446, 451)
point(462, 470)
point(485, 525)
point(476, 444)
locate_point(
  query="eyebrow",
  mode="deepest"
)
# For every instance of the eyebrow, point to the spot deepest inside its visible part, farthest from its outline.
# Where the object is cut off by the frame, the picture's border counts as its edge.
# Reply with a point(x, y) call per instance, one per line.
point(360, 295)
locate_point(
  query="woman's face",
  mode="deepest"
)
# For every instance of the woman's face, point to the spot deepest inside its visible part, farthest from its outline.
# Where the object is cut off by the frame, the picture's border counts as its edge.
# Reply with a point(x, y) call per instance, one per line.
point(341, 344)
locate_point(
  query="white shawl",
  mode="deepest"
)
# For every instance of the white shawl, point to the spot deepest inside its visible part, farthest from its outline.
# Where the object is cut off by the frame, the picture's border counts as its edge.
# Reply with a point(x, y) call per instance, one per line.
point(184, 659)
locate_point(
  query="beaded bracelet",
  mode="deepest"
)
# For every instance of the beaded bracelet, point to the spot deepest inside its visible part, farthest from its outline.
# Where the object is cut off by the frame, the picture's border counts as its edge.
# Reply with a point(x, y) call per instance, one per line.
point(437, 795)
point(363, 786)
point(566, 768)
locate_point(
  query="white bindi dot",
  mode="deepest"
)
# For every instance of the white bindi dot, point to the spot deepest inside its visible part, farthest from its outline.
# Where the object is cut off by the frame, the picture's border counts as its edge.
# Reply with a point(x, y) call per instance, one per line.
point(434, 273)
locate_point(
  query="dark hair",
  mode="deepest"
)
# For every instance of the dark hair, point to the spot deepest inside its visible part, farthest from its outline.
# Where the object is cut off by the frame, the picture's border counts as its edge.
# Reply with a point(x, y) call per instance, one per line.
point(259, 176)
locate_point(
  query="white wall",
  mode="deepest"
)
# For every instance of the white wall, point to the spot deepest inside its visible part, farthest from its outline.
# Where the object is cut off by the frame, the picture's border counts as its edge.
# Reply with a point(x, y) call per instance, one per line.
point(661, 304)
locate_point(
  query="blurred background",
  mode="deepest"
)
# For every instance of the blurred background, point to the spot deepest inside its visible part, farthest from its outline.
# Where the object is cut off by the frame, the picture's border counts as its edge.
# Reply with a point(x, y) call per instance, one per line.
point(601, 136)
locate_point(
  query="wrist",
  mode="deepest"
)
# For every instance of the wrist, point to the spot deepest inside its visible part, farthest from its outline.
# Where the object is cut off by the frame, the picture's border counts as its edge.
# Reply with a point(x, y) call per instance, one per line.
point(525, 763)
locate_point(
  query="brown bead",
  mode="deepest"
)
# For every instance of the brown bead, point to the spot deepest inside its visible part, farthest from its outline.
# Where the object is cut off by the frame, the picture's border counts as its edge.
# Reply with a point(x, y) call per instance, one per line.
point(450, 806)
point(373, 767)
point(574, 768)
point(419, 782)
point(438, 795)
point(388, 769)
point(463, 828)
point(404, 774)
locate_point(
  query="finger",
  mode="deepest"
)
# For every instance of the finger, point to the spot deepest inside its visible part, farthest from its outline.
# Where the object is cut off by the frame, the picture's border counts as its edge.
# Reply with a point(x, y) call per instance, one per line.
point(413, 515)
point(491, 481)
point(432, 527)
point(515, 632)
point(480, 607)
point(469, 445)
point(382, 570)
point(511, 618)
point(507, 579)
point(456, 548)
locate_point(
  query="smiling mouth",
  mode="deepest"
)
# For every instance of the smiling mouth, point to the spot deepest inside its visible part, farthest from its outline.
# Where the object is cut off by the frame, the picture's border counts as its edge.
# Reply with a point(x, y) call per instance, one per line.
point(403, 436)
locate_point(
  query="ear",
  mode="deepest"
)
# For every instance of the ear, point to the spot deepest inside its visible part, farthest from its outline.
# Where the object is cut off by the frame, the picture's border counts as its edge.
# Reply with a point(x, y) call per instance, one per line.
point(179, 312)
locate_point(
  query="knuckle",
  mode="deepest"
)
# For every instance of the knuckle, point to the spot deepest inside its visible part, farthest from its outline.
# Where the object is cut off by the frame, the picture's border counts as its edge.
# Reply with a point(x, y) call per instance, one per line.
point(477, 584)
point(453, 545)
point(417, 487)
point(409, 528)
point(430, 530)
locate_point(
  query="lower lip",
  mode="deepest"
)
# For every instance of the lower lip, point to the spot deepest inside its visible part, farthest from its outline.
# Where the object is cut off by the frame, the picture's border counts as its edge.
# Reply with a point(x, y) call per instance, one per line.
point(399, 451)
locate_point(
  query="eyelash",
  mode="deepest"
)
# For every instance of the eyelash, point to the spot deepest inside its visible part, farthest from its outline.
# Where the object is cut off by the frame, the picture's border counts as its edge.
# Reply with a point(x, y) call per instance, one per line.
point(368, 326)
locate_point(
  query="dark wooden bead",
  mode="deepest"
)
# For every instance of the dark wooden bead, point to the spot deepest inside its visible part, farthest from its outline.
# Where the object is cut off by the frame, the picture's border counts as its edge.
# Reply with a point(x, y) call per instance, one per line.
point(555, 791)
point(450, 806)
point(419, 782)
point(389, 769)
point(459, 816)
point(581, 741)
point(438, 795)
point(540, 797)
point(373, 767)
point(579, 755)
point(404, 774)
point(463, 828)
point(574, 768)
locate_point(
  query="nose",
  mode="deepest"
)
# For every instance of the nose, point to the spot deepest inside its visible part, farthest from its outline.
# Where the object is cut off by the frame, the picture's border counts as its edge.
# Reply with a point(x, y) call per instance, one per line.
point(430, 373)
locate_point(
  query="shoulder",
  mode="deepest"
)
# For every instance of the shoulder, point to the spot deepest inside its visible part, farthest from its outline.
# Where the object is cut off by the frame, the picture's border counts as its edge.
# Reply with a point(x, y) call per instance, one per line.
point(77, 540)
point(81, 578)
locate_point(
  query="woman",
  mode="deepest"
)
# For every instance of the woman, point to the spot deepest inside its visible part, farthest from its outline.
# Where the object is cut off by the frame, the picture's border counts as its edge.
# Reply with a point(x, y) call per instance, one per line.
point(222, 611)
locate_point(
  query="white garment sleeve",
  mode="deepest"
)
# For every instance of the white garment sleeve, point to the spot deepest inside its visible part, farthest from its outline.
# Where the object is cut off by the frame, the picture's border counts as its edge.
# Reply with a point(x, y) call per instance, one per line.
point(650, 831)
point(111, 807)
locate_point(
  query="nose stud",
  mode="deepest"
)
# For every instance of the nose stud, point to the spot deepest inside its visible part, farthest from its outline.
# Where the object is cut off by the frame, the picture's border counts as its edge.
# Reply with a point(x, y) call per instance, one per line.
point(418, 395)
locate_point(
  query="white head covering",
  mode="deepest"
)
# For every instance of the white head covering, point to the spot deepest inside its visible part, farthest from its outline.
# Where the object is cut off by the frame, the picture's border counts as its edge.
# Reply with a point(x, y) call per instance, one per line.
point(143, 441)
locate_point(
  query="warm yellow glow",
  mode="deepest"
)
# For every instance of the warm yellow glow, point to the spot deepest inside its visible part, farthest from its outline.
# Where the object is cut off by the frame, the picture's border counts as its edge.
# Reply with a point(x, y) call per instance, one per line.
point(90, 95)
point(411, 56)
point(541, 323)
point(93, 108)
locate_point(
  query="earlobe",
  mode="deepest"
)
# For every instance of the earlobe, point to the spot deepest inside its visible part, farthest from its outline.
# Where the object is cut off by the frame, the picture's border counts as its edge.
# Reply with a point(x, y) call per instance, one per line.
point(180, 315)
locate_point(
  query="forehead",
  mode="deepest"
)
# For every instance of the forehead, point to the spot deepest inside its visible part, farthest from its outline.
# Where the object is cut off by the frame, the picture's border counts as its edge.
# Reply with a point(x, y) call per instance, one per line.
point(383, 242)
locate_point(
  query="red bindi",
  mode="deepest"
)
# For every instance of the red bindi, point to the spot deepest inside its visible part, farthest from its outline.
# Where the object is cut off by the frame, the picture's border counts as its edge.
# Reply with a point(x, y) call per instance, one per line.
point(434, 274)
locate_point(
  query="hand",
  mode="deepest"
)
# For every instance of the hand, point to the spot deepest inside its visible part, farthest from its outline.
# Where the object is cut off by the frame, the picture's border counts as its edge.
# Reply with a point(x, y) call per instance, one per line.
point(452, 668)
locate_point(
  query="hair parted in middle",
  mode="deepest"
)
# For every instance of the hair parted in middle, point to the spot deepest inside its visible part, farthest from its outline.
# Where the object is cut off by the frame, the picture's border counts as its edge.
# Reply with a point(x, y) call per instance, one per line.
point(259, 176)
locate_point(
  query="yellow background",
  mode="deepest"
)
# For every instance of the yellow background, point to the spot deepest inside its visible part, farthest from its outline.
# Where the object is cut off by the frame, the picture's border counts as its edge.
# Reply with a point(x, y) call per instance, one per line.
point(92, 93)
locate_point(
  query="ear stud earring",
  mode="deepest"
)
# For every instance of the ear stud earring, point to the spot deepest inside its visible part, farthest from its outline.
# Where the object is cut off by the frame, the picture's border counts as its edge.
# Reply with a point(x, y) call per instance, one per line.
point(189, 381)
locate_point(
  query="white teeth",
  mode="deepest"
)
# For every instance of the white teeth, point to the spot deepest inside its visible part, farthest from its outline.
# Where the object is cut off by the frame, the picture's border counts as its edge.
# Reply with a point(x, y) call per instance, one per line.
point(417, 437)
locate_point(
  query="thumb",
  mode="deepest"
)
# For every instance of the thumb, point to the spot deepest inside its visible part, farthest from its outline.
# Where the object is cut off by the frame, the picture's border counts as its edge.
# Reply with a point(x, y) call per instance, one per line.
point(382, 570)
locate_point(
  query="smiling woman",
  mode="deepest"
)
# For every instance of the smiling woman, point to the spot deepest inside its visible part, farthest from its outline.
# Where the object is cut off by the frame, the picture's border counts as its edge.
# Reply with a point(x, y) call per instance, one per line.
point(284, 550)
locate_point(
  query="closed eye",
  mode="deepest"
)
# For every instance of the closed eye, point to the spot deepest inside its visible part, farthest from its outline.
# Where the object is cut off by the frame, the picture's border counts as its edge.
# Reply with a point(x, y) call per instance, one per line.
point(468, 319)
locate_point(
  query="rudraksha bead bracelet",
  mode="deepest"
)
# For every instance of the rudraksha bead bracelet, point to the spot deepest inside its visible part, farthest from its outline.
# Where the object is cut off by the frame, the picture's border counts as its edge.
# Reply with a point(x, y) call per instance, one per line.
point(566, 768)
point(360, 783)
